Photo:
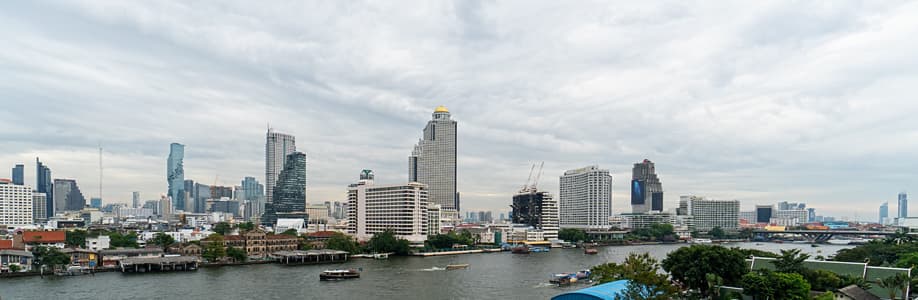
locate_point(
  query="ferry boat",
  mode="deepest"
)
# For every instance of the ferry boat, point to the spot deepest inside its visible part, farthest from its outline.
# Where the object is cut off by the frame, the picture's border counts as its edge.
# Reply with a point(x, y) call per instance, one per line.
point(701, 241)
point(457, 266)
point(838, 242)
point(380, 255)
point(568, 278)
point(590, 251)
point(339, 274)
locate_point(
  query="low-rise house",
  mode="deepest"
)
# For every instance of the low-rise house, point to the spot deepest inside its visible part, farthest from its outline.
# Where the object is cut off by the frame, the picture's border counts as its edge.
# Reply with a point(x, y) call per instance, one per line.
point(82, 257)
point(317, 239)
point(111, 257)
point(185, 249)
point(98, 243)
point(30, 239)
point(20, 258)
point(258, 244)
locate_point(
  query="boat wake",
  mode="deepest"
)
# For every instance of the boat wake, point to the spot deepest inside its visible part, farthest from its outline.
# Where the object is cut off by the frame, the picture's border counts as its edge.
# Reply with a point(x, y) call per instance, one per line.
point(433, 269)
point(545, 285)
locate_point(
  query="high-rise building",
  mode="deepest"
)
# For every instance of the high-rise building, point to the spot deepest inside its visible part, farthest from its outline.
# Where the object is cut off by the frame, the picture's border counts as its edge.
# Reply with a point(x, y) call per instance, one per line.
point(290, 189)
point(586, 198)
point(165, 207)
point(433, 162)
point(251, 189)
point(707, 214)
point(95, 202)
point(884, 213)
point(39, 207)
point(764, 213)
point(402, 208)
point(19, 174)
point(175, 174)
point(811, 214)
point(646, 189)
point(277, 147)
point(43, 184)
point(15, 204)
point(537, 209)
point(789, 217)
point(903, 205)
point(135, 200)
point(67, 196)
point(201, 194)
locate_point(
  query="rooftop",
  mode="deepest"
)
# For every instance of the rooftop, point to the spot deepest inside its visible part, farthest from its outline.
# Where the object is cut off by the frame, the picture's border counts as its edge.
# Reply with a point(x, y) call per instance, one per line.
point(605, 291)
point(158, 260)
point(44, 236)
point(441, 109)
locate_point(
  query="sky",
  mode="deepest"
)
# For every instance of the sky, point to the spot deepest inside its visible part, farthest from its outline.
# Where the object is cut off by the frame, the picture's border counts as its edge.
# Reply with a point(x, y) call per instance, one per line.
point(763, 102)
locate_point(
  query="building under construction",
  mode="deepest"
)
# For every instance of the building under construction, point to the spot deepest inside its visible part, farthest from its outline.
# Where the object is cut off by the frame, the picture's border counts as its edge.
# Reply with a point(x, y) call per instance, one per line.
point(535, 208)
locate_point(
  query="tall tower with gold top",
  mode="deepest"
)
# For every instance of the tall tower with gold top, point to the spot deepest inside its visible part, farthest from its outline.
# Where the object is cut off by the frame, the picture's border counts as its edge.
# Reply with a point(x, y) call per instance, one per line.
point(433, 162)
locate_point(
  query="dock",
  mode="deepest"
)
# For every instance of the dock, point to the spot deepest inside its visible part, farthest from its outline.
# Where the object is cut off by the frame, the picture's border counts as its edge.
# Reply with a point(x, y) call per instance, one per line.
point(457, 252)
point(158, 264)
point(310, 257)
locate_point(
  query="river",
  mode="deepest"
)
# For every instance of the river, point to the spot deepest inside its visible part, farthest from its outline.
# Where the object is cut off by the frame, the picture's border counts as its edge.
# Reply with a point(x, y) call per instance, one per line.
point(491, 276)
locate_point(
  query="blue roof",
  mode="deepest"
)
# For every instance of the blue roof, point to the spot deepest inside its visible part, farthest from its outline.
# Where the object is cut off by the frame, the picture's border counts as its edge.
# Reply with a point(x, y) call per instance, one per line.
point(605, 291)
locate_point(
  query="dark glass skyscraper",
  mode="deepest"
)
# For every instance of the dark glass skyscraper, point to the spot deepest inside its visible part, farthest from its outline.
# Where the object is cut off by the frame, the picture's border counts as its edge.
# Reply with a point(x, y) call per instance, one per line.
point(646, 189)
point(67, 196)
point(290, 190)
point(903, 205)
point(175, 175)
point(43, 184)
point(19, 175)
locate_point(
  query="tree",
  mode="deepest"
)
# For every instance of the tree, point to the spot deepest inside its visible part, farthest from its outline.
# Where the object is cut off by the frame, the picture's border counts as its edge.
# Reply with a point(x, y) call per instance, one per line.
point(343, 242)
point(238, 255)
point(572, 235)
point(901, 236)
point(757, 285)
point(791, 261)
point(76, 238)
point(119, 240)
point(746, 233)
point(895, 284)
point(214, 249)
point(246, 226)
point(825, 296)
point(771, 285)
point(717, 233)
point(642, 271)
point(822, 280)
point(714, 284)
point(290, 232)
point(47, 256)
point(441, 241)
point(162, 240)
point(690, 265)
point(222, 228)
point(15, 268)
point(386, 241)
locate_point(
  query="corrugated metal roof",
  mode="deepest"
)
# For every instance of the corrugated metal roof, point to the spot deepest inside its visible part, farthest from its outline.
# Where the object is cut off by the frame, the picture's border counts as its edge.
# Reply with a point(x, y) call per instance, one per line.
point(606, 291)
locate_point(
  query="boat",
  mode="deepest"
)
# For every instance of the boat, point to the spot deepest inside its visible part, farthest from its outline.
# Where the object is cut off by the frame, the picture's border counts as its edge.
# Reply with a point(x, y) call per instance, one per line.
point(814, 245)
point(380, 255)
point(701, 241)
point(73, 271)
point(590, 251)
point(457, 266)
point(521, 249)
point(540, 249)
point(839, 242)
point(568, 278)
point(339, 274)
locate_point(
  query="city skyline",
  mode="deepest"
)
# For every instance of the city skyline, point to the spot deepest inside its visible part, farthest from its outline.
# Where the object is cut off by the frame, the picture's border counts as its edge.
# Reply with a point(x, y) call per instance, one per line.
point(752, 126)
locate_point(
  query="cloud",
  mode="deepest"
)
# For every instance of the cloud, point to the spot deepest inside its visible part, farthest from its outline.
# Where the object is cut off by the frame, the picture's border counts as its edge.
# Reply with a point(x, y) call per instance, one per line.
point(760, 102)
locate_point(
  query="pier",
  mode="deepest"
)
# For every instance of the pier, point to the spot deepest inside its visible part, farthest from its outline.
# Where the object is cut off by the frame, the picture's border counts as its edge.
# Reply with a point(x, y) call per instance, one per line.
point(158, 264)
point(309, 257)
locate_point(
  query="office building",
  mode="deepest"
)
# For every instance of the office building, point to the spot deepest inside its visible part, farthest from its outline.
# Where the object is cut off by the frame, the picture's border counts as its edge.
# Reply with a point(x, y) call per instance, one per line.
point(43, 184)
point(747, 216)
point(153, 206)
point(784, 205)
point(290, 188)
point(402, 208)
point(586, 198)
point(903, 205)
point(884, 213)
point(19, 174)
point(251, 189)
point(636, 221)
point(277, 147)
point(789, 217)
point(318, 213)
point(135, 200)
point(764, 213)
point(224, 205)
point(538, 210)
point(67, 196)
point(165, 207)
point(433, 162)
point(201, 194)
point(433, 219)
point(39, 207)
point(707, 214)
point(646, 189)
point(175, 175)
point(95, 202)
point(15, 204)
point(811, 214)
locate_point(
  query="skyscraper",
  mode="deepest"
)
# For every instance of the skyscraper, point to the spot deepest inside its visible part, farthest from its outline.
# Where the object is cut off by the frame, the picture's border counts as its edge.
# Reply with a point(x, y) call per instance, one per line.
point(708, 214)
point(175, 175)
point(884, 213)
point(764, 213)
point(95, 202)
point(39, 206)
point(646, 189)
point(277, 147)
point(586, 198)
point(43, 184)
point(19, 174)
point(290, 190)
point(903, 205)
point(537, 209)
point(135, 199)
point(433, 162)
point(402, 208)
point(251, 189)
point(67, 196)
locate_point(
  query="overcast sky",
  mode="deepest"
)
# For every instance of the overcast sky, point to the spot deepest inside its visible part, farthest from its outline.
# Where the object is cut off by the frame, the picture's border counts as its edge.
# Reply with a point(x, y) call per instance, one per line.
point(775, 101)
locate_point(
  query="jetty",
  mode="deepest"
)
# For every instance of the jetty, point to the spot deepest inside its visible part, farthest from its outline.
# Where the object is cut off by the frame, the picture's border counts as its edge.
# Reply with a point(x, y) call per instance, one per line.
point(158, 264)
point(309, 257)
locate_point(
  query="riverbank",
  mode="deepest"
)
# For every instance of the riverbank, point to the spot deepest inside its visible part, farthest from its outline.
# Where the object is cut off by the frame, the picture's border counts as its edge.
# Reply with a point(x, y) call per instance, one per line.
point(426, 254)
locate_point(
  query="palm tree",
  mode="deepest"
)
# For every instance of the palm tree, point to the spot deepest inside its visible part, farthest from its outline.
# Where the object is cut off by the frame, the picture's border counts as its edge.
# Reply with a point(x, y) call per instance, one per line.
point(895, 284)
point(901, 236)
point(790, 261)
point(714, 283)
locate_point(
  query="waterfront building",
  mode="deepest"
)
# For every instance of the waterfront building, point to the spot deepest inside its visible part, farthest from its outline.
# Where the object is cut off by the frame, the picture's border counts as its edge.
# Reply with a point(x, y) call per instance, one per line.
point(135, 199)
point(95, 202)
point(175, 175)
point(707, 214)
point(433, 219)
point(67, 196)
point(21, 258)
point(277, 147)
point(433, 162)
point(401, 208)
point(39, 207)
point(903, 205)
point(635, 221)
point(646, 189)
point(748, 216)
point(318, 213)
point(537, 209)
point(30, 239)
point(98, 243)
point(19, 174)
point(586, 198)
point(257, 243)
point(884, 213)
point(44, 185)
point(290, 189)
point(764, 213)
point(15, 204)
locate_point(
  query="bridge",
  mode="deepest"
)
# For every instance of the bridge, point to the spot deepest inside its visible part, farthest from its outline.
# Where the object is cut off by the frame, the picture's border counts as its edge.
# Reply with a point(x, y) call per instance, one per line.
point(819, 236)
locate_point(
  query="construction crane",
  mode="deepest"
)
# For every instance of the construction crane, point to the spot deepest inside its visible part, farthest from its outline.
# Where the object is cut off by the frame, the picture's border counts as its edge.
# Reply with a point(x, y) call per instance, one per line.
point(531, 184)
point(535, 183)
point(526, 185)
